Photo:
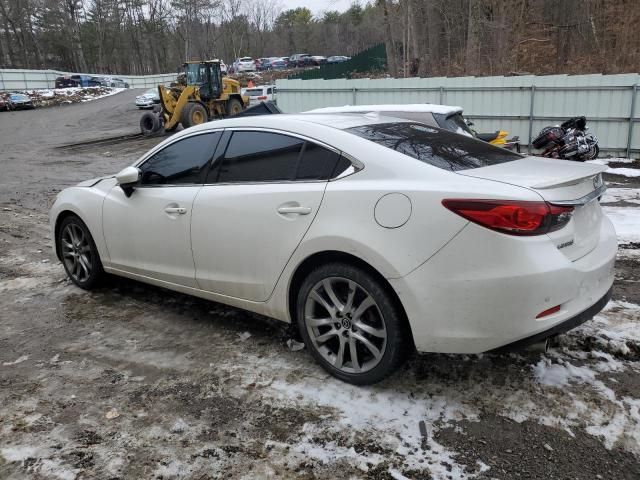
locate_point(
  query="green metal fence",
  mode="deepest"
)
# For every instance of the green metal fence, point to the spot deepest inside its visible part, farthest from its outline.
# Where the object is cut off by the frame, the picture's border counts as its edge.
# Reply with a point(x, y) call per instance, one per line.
point(371, 59)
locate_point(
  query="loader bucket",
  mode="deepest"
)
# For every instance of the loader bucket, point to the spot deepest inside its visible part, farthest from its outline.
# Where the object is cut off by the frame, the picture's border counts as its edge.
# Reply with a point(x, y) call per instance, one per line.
point(263, 108)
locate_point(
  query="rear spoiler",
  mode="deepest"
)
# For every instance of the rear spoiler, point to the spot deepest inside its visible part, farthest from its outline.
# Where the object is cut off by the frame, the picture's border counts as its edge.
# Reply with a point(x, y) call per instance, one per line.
point(263, 108)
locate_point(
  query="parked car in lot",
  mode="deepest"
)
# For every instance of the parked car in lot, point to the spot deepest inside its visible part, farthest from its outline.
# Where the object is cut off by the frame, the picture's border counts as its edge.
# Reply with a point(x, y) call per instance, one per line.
point(263, 93)
point(277, 63)
point(244, 64)
point(116, 82)
point(443, 116)
point(19, 101)
point(66, 82)
point(148, 99)
point(263, 63)
point(374, 235)
point(81, 80)
point(338, 59)
point(98, 82)
point(299, 60)
point(318, 60)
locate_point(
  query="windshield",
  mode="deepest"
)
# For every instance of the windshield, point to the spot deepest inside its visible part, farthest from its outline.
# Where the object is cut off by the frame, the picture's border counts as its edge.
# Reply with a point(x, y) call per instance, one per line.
point(437, 147)
point(454, 122)
point(196, 73)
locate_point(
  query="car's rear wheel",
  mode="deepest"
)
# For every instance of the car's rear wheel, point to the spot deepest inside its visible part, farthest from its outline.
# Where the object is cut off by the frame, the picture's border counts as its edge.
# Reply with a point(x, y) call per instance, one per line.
point(79, 253)
point(351, 324)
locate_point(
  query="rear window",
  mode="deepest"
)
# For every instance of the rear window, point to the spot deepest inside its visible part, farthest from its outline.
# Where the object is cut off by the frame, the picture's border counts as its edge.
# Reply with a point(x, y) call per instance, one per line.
point(454, 123)
point(437, 147)
point(253, 93)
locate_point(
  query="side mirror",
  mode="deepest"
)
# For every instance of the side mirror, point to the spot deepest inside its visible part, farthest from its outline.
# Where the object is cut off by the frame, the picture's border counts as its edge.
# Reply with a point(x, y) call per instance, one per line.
point(127, 178)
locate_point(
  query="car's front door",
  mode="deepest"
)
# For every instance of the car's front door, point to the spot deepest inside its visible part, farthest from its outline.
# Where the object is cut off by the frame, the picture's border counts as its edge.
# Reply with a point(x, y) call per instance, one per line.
point(259, 201)
point(148, 233)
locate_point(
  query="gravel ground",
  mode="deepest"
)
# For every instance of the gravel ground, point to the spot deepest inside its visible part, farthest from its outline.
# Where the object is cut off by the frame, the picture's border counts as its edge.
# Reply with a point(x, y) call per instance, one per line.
point(135, 382)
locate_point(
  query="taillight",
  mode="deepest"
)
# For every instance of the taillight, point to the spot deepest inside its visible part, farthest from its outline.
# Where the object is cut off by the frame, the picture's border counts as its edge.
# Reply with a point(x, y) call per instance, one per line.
point(262, 97)
point(512, 216)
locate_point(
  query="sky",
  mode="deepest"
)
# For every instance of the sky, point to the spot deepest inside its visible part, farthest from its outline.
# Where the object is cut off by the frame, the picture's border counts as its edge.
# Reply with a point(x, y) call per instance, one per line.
point(317, 6)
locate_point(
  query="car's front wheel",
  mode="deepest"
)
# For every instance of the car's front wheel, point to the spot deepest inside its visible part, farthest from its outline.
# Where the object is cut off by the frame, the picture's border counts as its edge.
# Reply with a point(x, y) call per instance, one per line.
point(79, 253)
point(351, 324)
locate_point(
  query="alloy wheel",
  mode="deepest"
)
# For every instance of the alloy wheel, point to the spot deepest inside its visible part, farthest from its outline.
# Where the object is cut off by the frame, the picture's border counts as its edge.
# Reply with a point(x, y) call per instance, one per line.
point(76, 252)
point(345, 325)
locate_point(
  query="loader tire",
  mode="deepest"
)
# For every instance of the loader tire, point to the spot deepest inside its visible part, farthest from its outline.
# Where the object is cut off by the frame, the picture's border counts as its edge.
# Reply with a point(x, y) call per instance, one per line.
point(149, 124)
point(233, 106)
point(193, 114)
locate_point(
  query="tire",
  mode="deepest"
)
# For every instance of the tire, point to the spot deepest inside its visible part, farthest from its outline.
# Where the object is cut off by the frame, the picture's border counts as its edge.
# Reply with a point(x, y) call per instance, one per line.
point(193, 114)
point(79, 254)
point(149, 124)
point(233, 106)
point(371, 320)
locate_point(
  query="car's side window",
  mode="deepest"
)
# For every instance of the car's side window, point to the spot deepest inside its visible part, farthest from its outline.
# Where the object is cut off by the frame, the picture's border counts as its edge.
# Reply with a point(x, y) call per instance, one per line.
point(317, 163)
point(260, 157)
point(182, 162)
point(269, 91)
point(253, 157)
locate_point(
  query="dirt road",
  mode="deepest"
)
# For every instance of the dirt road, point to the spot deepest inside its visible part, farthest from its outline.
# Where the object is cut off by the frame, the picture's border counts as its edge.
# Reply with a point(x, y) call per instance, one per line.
point(135, 382)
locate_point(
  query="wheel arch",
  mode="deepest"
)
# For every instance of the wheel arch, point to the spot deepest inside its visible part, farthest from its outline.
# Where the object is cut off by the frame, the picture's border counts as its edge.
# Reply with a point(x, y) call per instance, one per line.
point(62, 215)
point(319, 258)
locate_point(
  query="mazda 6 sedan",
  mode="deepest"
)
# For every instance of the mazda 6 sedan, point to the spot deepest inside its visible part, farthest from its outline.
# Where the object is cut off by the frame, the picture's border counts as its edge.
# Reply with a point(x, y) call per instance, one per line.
point(377, 236)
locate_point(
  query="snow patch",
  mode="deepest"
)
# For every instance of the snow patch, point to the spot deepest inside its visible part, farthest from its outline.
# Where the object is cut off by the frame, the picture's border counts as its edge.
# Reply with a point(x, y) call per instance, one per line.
point(626, 222)
point(626, 172)
point(21, 359)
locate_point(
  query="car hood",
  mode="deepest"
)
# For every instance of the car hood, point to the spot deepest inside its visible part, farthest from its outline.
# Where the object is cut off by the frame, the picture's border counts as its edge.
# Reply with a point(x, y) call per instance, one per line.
point(93, 181)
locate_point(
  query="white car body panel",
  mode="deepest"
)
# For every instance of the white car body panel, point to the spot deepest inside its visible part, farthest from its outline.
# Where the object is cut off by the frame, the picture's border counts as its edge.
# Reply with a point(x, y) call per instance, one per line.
point(465, 288)
point(143, 238)
point(233, 218)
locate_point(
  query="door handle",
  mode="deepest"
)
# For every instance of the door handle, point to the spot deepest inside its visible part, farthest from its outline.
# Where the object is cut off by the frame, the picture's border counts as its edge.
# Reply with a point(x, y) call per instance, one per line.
point(178, 210)
point(298, 210)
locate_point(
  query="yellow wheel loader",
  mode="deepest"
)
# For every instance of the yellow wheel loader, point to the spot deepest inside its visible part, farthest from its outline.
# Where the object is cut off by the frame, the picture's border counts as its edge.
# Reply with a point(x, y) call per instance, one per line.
point(202, 94)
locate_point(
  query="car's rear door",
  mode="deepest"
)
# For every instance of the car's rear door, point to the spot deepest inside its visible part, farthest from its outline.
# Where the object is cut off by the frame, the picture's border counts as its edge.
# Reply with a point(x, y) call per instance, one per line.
point(149, 232)
point(260, 199)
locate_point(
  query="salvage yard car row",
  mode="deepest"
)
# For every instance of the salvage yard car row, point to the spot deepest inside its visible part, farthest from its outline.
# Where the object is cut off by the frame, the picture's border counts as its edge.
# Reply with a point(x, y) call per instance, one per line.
point(297, 60)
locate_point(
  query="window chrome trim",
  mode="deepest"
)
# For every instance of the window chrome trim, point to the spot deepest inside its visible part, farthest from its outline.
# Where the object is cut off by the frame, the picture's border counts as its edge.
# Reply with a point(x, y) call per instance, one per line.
point(285, 132)
point(582, 200)
point(356, 165)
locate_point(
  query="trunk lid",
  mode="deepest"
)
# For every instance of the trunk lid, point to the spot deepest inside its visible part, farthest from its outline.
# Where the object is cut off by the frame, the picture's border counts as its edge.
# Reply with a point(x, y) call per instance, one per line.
point(562, 183)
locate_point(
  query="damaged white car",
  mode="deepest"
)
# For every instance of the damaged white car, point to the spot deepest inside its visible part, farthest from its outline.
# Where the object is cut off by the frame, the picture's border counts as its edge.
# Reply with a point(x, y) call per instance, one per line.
point(375, 235)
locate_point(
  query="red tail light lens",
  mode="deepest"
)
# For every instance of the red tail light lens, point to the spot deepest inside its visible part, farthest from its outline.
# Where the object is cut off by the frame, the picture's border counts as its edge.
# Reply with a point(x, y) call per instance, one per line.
point(512, 216)
point(549, 311)
point(262, 97)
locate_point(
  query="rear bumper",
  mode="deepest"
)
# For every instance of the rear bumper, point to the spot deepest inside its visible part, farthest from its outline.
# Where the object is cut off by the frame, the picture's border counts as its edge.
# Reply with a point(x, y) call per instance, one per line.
point(563, 327)
point(483, 290)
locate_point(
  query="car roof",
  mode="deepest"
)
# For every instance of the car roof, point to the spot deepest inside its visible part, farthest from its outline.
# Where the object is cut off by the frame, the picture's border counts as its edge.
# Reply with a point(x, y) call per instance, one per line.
point(415, 107)
point(285, 121)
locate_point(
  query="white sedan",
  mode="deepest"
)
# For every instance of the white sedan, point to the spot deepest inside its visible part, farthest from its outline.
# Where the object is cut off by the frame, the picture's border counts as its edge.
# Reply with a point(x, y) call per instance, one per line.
point(148, 99)
point(244, 64)
point(376, 235)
